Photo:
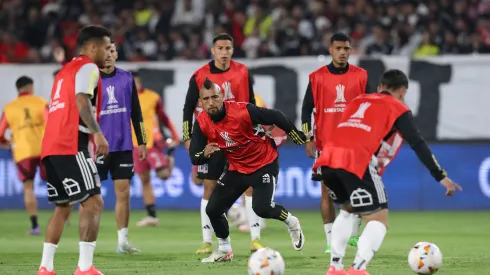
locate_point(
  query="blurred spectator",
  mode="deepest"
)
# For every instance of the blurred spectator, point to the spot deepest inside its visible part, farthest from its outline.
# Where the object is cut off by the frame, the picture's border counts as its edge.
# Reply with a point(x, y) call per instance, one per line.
point(147, 30)
point(427, 46)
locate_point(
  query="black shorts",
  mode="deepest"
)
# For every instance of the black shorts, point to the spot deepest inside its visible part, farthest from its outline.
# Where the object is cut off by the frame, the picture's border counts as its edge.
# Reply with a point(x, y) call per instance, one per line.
point(232, 184)
point(366, 196)
point(119, 164)
point(214, 168)
point(316, 173)
point(71, 179)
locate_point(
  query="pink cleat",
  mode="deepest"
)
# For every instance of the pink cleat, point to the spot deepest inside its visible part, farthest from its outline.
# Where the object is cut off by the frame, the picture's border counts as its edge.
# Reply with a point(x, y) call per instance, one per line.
point(90, 271)
point(44, 271)
point(333, 271)
point(353, 271)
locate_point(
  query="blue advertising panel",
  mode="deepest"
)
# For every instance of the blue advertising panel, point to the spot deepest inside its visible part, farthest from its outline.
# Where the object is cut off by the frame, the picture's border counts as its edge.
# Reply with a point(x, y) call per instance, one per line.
point(409, 185)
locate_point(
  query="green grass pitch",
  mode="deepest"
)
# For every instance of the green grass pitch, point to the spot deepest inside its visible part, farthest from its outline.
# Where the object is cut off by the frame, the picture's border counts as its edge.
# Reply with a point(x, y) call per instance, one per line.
point(464, 238)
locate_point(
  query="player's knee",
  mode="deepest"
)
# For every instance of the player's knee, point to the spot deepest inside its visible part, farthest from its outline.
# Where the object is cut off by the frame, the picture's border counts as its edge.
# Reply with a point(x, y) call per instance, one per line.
point(122, 191)
point(208, 188)
point(163, 173)
point(262, 210)
point(94, 204)
point(212, 210)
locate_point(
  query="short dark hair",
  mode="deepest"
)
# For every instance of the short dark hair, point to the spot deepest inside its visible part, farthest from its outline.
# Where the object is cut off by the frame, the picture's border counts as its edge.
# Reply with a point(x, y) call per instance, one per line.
point(394, 79)
point(135, 73)
point(23, 81)
point(340, 36)
point(90, 33)
point(222, 36)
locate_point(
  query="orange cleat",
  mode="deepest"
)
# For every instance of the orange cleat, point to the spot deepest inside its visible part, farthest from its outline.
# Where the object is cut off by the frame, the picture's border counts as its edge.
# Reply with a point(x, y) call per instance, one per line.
point(90, 271)
point(44, 271)
point(353, 271)
point(333, 271)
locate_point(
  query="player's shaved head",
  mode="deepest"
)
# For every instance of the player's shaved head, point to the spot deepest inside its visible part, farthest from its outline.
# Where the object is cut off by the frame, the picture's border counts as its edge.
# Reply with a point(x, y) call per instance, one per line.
point(210, 97)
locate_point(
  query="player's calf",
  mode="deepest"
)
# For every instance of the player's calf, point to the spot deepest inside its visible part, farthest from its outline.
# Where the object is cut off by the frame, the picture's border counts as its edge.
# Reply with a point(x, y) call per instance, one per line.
point(30, 203)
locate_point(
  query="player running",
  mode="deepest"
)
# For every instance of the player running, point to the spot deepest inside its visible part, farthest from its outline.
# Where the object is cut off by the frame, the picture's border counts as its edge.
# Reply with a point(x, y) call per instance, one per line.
point(71, 173)
point(120, 106)
point(350, 167)
point(236, 85)
point(26, 117)
point(151, 107)
point(329, 90)
point(231, 128)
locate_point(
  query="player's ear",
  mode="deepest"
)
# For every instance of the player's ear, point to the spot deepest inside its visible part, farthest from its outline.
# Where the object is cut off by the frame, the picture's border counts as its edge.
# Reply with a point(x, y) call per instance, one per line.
point(330, 49)
point(212, 50)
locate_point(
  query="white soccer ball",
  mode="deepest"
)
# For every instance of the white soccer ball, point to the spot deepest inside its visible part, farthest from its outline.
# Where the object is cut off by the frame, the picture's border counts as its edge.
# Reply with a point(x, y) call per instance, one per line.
point(425, 258)
point(237, 215)
point(266, 261)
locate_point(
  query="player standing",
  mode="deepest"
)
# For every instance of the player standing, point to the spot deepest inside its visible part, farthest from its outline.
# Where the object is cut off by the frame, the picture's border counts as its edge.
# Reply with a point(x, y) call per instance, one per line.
point(26, 117)
point(71, 173)
point(329, 90)
point(151, 107)
point(236, 85)
point(350, 167)
point(231, 128)
point(119, 107)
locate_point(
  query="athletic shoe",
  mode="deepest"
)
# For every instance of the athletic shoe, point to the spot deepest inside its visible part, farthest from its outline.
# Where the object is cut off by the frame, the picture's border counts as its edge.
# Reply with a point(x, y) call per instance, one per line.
point(35, 231)
point(256, 245)
point(353, 271)
point(205, 248)
point(90, 271)
point(296, 234)
point(44, 271)
point(148, 222)
point(333, 271)
point(353, 241)
point(218, 256)
point(329, 249)
point(126, 248)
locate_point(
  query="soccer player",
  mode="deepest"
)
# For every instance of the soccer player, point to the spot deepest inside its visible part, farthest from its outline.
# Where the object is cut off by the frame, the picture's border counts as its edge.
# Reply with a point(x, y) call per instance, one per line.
point(329, 90)
point(236, 85)
point(350, 167)
point(151, 107)
point(26, 117)
point(71, 173)
point(230, 127)
point(120, 106)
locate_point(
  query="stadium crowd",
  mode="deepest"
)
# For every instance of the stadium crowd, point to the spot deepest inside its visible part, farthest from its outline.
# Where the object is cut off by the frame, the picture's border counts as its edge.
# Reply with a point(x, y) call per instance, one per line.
point(183, 29)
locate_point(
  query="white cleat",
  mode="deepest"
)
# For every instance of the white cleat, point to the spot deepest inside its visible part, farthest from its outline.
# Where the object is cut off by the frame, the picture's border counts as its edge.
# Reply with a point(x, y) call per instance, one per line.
point(147, 222)
point(296, 234)
point(218, 256)
point(127, 248)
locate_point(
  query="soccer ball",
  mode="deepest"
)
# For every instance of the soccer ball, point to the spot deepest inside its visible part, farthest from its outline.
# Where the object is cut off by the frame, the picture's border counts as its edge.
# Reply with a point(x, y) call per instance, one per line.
point(237, 215)
point(425, 258)
point(266, 261)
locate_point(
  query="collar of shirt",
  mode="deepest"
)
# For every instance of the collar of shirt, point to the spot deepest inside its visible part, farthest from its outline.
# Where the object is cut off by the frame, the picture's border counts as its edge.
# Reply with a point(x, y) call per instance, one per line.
point(108, 75)
point(216, 70)
point(24, 93)
point(334, 70)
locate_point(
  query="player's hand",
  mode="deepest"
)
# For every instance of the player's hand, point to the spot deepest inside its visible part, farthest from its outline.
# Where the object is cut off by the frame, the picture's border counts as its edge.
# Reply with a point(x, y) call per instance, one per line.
point(450, 186)
point(310, 149)
point(101, 145)
point(298, 137)
point(210, 149)
point(172, 143)
point(142, 151)
point(59, 54)
point(187, 144)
